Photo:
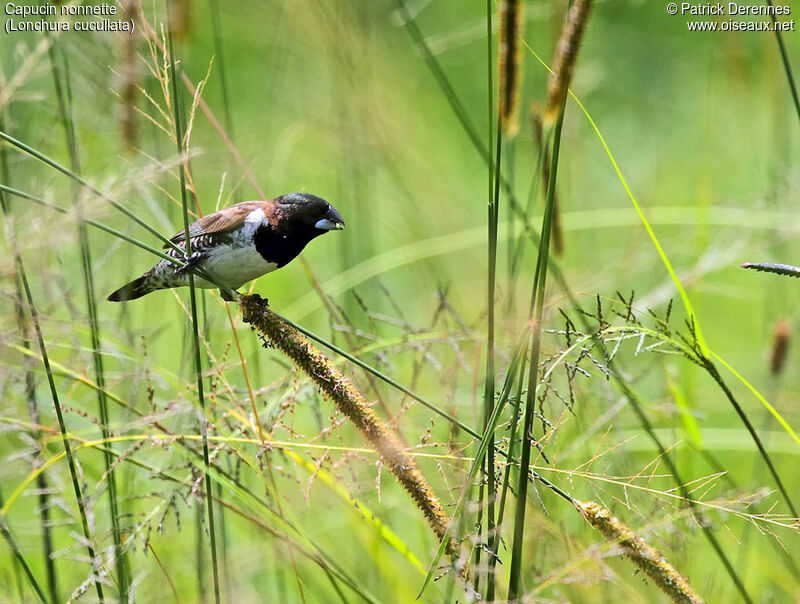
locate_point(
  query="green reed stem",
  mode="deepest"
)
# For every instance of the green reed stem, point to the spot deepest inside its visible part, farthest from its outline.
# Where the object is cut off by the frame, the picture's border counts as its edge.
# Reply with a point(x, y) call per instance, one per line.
point(30, 392)
point(90, 222)
point(494, 220)
point(54, 164)
point(489, 375)
point(787, 68)
point(178, 116)
point(537, 297)
point(216, 25)
point(636, 405)
point(715, 375)
point(479, 457)
point(12, 545)
point(61, 425)
point(64, 100)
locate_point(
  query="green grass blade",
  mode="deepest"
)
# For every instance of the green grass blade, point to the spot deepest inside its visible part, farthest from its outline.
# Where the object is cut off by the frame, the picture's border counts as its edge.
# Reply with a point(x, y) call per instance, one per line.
point(63, 90)
point(787, 68)
point(178, 124)
point(30, 391)
point(12, 545)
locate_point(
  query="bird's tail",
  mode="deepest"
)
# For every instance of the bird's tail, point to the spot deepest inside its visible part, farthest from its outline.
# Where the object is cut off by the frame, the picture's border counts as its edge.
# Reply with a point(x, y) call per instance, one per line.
point(135, 289)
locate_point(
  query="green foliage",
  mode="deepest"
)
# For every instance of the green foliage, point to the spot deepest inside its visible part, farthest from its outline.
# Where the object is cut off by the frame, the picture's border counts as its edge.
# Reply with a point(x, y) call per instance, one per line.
point(169, 413)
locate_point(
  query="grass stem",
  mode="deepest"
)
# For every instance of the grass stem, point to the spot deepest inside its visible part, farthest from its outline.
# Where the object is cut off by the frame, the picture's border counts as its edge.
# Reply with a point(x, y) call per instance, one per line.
point(178, 124)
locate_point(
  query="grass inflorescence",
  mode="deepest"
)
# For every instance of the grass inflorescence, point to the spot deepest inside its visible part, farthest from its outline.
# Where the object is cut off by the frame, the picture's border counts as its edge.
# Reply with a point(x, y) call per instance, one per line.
point(641, 553)
point(351, 403)
point(177, 453)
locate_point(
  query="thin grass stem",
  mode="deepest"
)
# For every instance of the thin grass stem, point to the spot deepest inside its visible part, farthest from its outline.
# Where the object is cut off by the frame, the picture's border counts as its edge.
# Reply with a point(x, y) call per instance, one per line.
point(30, 389)
point(178, 119)
point(61, 83)
point(488, 390)
point(62, 426)
point(12, 545)
point(537, 300)
point(787, 67)
point(54, 164)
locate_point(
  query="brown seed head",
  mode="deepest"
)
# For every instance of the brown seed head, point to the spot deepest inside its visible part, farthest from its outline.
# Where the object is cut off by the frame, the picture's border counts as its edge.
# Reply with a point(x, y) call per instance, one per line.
point(335, 387)
point(780, 346)
point(510, 64)
point(569, 44)
point(645, 556)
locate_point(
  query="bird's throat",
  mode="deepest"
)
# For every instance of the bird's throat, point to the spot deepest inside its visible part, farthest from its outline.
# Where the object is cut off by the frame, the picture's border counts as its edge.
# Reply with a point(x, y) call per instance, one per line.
point(282, 249)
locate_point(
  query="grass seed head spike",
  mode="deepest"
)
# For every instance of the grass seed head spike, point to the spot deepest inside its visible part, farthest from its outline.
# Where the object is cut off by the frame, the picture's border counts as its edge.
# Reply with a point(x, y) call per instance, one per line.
point(510, 64)
point(644, 555)
point(351, 403)
point(180, 18)
point(780, 346)
point(240, 243)
point(774, 267)
point(128, 80)
point(569, 44)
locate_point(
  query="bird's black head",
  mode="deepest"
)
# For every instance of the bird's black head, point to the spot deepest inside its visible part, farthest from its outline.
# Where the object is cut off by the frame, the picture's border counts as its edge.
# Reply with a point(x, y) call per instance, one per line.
point(294, 220)
point(308, 213)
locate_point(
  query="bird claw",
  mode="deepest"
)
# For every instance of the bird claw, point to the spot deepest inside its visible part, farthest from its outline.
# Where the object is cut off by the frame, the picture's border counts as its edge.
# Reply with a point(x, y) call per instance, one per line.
point(225, 295)
point(262, 302)
point(192, 262)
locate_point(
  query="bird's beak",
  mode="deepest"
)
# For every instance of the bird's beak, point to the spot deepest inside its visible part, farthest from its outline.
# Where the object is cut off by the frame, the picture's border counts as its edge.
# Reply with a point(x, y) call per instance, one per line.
point(333, 221)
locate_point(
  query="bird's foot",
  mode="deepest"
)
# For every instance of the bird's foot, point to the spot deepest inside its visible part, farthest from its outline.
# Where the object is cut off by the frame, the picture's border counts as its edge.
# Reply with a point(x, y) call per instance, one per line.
point(225, 294)
point(192, 262)
point(263, 302)
point(253, 307)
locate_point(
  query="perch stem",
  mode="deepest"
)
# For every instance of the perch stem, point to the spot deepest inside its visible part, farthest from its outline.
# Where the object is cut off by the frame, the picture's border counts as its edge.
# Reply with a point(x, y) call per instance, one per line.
point(349, 401)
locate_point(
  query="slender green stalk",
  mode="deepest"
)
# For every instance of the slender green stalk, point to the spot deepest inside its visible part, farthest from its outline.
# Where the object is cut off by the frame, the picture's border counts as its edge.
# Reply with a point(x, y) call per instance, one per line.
point(787, 68)
point(494, 220)
point(94, 223)
point(512, 443)
point(61, 425)
point(178, 118)
point(12, 545)
point(636, 405)
point(54, 164)
point(714, 373)
point(537, 297)
point(488, 390)
point(216, 25)
point(30, 393)
point(63, 91)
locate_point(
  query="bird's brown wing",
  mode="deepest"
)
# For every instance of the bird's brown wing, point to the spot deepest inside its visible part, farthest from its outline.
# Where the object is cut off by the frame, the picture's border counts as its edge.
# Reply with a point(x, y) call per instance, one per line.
point(218, 222)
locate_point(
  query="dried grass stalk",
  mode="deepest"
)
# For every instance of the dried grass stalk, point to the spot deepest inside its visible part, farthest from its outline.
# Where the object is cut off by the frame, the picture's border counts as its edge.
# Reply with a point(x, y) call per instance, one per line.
point(644, 555)
point(510, 64)
point(557, 233)
point(569, 44)
point(337, 388)
point(780, 346)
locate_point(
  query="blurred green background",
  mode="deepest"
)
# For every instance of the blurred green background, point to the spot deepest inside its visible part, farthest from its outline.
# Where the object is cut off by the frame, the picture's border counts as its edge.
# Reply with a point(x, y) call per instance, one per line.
point(335, 98)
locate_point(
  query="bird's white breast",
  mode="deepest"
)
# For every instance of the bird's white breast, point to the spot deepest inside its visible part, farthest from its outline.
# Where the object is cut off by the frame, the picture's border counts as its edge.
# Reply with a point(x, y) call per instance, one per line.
point(237, 263)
